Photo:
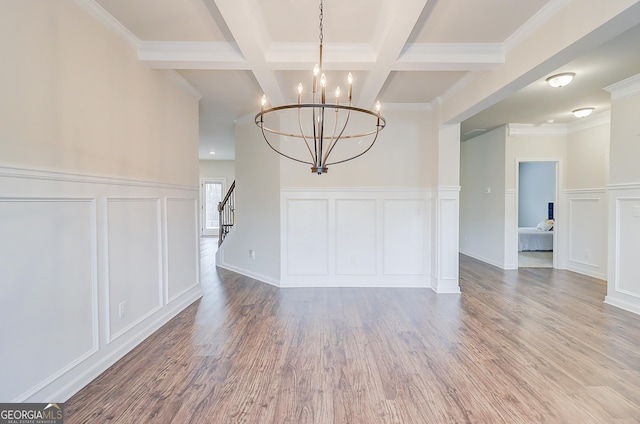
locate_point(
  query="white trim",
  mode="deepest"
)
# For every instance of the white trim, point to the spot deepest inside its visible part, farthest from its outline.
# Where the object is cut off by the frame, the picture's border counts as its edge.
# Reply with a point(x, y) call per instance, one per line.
point(534, 23)
point(619, 303)
point(585, 191)
point(303, 190)
point(593, 121)
point(248, 273)
point(515, 130)
point(105, 18)
point(191, 55)
point(603, 118)
point(48, 175)
point(623, 186)
point(625, 88)
point(302, 56)
point(71, 388)
point(618, 239)
point(449, 57)
point(94, 295)
point(408, 106)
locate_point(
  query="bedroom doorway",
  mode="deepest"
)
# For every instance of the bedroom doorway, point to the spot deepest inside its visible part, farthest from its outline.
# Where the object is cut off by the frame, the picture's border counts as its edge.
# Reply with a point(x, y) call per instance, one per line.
point(537, 200)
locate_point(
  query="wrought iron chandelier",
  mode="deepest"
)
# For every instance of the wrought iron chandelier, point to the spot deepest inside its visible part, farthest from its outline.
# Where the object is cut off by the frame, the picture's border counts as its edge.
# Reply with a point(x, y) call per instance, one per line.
point(322, 116)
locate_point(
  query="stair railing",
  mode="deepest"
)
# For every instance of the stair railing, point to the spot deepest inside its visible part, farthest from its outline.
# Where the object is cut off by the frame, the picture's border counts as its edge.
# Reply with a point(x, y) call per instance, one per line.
point(227, 212)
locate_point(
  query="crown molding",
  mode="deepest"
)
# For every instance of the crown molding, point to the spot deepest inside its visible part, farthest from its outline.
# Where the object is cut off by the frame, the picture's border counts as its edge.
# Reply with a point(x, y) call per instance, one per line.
point(192, 55)
point(625, 88)
point(407, 106)
point(302, 56)
point(560, 129)
point(535, 129)
point(592, 121)
point(449, 56)
point(534, 23)
point(98, 12)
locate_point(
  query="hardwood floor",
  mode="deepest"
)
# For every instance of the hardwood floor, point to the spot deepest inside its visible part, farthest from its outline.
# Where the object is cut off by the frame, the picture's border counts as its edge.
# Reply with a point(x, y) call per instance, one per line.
point(531, 346)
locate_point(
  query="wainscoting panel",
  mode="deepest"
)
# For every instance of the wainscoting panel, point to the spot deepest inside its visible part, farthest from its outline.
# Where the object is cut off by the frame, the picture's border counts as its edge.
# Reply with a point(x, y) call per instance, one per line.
point(623, 288)
point(446, 203)
point(586, 237)
point(404, 237)
point(355, 238)
point(73, 248)
point(182, 247)
point(628, 247)
point(49, 290)
point(134, 238)
point(308, 237)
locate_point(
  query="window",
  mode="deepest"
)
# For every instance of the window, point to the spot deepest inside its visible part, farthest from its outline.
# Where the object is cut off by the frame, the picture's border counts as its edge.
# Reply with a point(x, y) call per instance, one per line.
point(212, 192)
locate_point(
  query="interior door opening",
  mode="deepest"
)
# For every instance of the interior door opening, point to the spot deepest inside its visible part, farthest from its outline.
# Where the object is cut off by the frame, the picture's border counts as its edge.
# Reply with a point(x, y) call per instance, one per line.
point(537, 211)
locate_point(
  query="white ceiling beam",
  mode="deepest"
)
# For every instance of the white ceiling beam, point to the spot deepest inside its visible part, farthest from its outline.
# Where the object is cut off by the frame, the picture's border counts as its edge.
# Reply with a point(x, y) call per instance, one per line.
point(191, 55)
point(391, 36)
point(450, 57)
point(336, 56)
point(248, 29)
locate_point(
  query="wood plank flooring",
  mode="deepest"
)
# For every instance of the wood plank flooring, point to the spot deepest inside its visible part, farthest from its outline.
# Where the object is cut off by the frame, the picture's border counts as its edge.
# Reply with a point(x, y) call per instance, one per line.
point(530, 346)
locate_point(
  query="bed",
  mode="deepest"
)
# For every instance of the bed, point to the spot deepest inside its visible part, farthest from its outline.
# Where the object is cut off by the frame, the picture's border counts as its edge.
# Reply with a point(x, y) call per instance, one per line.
point(532, 238)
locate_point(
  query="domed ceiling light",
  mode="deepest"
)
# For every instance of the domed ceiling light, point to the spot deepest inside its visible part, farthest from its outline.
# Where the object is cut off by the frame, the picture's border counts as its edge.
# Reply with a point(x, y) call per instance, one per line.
point(582, 112)
point(560, 80)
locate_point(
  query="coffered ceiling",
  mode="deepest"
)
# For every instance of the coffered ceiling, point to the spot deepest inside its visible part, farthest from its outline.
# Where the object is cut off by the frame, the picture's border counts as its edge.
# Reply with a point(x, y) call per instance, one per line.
point(407, 52)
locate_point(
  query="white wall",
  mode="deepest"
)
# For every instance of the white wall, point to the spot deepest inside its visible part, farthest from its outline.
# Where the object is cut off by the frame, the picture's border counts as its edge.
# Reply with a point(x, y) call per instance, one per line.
point(225, 169)
point(257, 219)
point(397, 159)
point(536, 188)
point(623, 289)
point(98, 195)
point(584, 197)
point(482, 197)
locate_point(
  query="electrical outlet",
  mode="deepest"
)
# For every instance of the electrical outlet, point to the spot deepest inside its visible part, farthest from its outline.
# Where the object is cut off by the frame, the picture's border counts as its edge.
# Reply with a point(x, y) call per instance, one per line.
point(122, 309)
point(252, 253)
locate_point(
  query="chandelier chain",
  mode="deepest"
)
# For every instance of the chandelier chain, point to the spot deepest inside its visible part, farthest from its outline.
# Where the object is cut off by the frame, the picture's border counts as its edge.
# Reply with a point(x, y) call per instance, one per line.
point(321, 17)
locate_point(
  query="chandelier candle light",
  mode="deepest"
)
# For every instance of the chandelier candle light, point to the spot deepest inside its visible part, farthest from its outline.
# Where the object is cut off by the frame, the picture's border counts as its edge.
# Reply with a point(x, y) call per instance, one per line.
point(319, 142)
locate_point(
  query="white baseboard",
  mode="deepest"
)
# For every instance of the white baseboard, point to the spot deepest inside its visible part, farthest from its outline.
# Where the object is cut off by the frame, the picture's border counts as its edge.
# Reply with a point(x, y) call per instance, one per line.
point(147, 329)
point(631, 307)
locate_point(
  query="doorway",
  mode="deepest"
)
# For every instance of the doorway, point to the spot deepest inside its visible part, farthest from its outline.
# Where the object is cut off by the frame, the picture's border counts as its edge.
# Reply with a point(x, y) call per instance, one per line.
point(537, 211)
point(210, 197)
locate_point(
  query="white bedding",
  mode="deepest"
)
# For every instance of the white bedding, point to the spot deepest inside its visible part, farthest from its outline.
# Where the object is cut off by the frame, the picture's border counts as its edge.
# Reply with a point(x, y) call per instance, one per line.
point(531, 238)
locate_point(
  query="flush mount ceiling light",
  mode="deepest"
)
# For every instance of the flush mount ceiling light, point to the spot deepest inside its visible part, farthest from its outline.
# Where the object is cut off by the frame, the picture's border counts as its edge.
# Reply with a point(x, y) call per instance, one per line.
point(560, 80)
point(582, 112)
point(212, 152)
point(326, 123)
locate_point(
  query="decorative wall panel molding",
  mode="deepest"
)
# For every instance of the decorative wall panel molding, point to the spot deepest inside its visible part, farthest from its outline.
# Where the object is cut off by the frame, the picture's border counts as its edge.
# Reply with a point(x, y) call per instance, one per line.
point(587, 238)
point(355, 238)
point(182, 247)
point(623, 288)
point(67, 236)
point(134, 263)
point(49, 289)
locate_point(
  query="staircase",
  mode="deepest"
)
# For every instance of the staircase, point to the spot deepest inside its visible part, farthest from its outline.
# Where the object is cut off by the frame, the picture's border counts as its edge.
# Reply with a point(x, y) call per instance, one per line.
point(227, 211)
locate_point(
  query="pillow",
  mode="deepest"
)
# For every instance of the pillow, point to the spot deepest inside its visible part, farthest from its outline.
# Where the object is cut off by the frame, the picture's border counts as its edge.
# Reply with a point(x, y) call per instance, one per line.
point(546, 225)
